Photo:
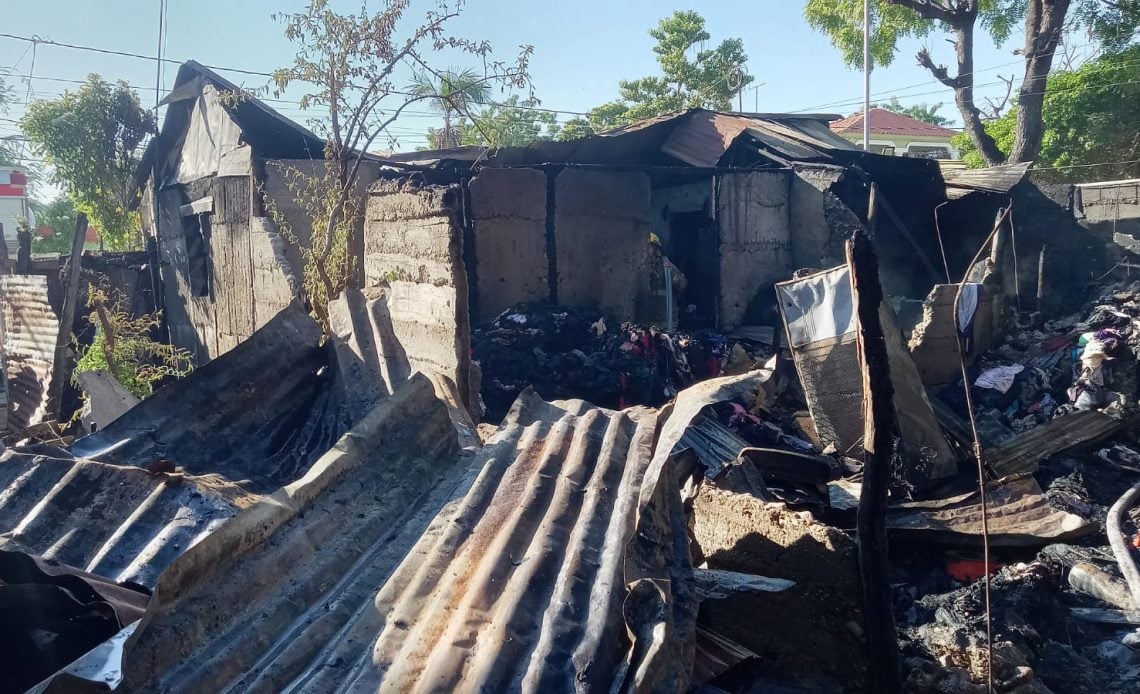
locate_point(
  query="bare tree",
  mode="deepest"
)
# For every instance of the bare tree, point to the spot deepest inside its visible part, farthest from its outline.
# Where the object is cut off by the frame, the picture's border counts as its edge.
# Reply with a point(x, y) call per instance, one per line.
point(350, 63)
point(995, 108)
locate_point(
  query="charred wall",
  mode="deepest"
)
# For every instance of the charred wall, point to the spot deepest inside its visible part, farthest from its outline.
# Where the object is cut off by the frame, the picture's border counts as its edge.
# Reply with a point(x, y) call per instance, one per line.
point(753, 210)
point(508, 216)
point(1111, 209)
point(283, 206)
point(814, 243)
point(219, 286)
point(1074, 256)
point(413, 243)
point(602, 224)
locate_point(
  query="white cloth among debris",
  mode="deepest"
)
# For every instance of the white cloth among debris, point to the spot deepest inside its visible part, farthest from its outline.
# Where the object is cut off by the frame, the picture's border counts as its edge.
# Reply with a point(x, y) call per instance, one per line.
point(1094, 355)
point(967, 306)
point(999, 378)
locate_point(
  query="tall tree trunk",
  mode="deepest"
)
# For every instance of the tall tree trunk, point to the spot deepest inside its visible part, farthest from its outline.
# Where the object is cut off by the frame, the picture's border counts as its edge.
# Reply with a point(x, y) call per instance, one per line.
point(962, 20)
point(1044, 20)
point(964, 92)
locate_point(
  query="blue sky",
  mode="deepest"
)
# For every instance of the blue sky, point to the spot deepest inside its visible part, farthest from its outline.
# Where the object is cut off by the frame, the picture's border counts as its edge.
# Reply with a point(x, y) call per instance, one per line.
point(582, 49)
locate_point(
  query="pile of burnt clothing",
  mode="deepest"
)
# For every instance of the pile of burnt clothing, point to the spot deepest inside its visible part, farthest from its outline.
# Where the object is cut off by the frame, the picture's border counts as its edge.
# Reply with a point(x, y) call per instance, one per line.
point(568, 352)
point(1084, 361)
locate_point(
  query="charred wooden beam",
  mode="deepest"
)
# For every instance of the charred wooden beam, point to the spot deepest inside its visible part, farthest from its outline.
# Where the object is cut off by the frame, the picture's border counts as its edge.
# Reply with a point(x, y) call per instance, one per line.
point(878, 447)
point(60, 373)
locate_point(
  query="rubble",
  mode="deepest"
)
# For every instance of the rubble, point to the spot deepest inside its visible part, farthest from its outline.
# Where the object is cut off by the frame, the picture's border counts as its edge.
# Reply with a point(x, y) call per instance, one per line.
point(558, 498)
point(573, 352)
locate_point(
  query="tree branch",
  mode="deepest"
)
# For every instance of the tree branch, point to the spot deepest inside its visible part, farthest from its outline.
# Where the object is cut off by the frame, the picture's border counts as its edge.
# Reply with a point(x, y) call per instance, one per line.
point(939, 71)
point(995, 108)
point(929, 10)
point(961, 19)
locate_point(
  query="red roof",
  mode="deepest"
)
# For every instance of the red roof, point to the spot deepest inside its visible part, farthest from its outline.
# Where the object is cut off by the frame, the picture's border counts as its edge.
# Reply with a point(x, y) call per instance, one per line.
point(884, 122)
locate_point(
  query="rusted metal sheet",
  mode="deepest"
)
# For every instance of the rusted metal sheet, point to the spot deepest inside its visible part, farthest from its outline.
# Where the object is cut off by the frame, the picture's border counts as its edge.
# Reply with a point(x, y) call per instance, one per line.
point(261, 413)
point(30, 329)
point(1018, 515)
point(703, 137)
point(122, 523)
point(994, 179)
point(553, 559)
point(697, 137)
point(1024, 452)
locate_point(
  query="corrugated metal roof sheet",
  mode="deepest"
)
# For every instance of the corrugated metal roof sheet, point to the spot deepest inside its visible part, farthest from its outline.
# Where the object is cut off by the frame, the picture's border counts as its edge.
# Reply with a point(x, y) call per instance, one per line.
point(697, 137)
point(703, 137)
point(558, 561)
point(995, 179)
point(246, 422)
point(122, 523)
point(261, 413)
point(30, 330)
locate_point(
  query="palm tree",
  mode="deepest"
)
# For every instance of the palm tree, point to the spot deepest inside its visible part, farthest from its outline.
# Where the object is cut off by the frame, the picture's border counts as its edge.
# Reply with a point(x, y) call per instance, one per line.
point(451, 92)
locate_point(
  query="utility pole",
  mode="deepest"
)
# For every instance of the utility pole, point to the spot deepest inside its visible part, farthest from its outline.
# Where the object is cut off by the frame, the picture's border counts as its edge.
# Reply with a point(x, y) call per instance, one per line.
point(866, 75)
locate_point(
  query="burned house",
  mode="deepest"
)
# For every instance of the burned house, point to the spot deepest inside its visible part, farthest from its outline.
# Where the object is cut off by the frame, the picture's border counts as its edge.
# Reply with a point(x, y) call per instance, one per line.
point(450, 239)
point(305, 512)
point(209, 187)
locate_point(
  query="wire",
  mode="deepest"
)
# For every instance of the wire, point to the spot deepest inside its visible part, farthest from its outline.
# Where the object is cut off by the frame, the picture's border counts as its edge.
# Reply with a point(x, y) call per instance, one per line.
point(31, 71)
point(1047, 90)
point(978, 453)
point(1013, 243)
point(1084, 166)
point(897, 91)
point(244, 71)
point(128, 54)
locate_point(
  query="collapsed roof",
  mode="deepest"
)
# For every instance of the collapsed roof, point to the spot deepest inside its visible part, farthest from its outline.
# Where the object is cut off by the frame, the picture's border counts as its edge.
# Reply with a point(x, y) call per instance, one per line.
point(695, 138)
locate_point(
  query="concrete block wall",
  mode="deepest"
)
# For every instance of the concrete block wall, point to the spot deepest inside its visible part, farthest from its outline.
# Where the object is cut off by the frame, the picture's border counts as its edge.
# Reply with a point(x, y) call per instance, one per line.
point(813, 242)
point(274, 183)
point(275, 281)
point(602, 224)
point(508, 210)
point(755, 239)
point(934, 342)
point(413, 243)
point(669, 200)
point(1113, 208)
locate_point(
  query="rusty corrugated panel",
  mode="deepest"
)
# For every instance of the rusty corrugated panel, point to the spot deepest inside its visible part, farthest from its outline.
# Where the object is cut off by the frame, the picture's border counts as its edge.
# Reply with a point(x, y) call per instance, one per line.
point(994, 179)
point(704, 137)
point(554, 559)
point(121, 523)
point(1018, 515)
point(1025, 451)
point(260, 413)
point(30, 331)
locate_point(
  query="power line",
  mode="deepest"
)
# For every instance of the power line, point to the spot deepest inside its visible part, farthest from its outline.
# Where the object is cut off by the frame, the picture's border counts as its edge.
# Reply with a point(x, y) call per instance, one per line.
point(296, 113)
point(1047, 90)
point(1085, 166)
point(125, 54)
point(897, 91)
point(242, 71)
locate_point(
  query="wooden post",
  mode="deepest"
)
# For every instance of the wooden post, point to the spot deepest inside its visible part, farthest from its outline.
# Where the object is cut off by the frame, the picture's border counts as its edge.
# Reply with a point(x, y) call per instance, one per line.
point(878, 446)
point(1041, 279)
point(59, 372)
point(5, 261)
point(23, 251)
